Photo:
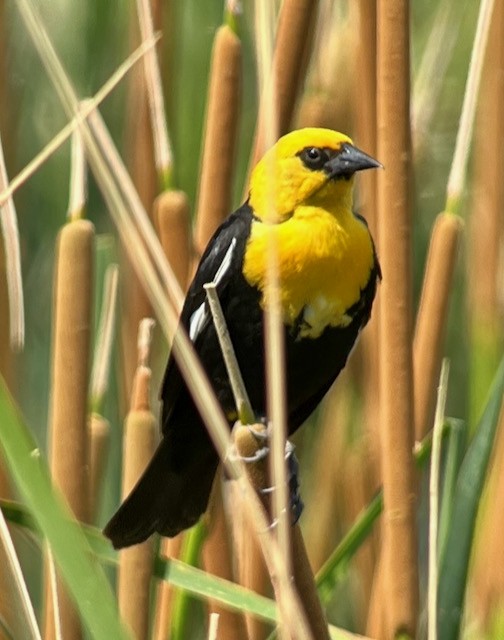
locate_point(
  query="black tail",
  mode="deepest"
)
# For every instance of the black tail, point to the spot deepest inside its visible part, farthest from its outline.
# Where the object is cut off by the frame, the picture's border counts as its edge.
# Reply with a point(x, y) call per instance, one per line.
point(165, 499)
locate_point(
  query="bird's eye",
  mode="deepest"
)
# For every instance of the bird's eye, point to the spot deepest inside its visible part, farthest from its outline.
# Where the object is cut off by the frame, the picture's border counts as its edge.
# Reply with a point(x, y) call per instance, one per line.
point(314, 158)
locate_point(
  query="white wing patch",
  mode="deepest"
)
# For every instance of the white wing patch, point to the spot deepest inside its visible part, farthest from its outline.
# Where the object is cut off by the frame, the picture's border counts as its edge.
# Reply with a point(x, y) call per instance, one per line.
point(201, 315)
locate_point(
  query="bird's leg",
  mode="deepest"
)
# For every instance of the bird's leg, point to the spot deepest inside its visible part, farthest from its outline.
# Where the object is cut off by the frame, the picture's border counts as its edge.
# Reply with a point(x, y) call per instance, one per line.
point(296, 503)
point(251, 445)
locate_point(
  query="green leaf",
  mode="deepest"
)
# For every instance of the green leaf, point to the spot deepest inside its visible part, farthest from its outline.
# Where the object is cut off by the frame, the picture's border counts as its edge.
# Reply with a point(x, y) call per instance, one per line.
point(471, 478)
point(205, 585)
point(82, 573)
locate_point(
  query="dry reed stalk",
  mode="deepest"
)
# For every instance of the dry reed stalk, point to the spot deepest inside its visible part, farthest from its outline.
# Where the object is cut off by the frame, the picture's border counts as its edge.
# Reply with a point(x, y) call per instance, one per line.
point(486, 235)
point(326, 101)
point(68, 413)
point(170, 548)
point(486, 585)
point(217, 560)
point(292, 46)
point(355, 489)
point(12, 251)
point(323, 501)
point(98, 427)
point(396, 372)
point(99, 442)
point(221, 132)
point(375, 624)
point(173, 224)
point(485, 290)
point(432, 317)
point(434, 491)
point(140, 151)
point(365, 120)
point(247, 445)
point(140, 439)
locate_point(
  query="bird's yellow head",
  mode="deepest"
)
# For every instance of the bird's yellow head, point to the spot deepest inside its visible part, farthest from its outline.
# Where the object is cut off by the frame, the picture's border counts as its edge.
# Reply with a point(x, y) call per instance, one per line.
point(306, 167)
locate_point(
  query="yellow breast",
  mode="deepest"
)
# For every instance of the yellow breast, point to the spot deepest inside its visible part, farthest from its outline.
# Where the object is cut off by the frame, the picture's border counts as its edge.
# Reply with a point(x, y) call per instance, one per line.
point(324, 262)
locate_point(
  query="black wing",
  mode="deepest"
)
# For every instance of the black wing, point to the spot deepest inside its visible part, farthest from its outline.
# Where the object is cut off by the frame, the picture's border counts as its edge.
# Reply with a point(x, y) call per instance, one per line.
point(221, 260)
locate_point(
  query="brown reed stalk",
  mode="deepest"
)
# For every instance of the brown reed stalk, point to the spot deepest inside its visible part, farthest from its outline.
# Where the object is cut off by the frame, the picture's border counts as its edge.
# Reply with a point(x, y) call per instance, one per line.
point(292, 46)
point(396, 372)
point(140, 439)
point(217, 560)
point(98, 426)
point(486, 309)
point(221, 132)
point(140, 152)
point(170, 548)
point(485, 264)
point(69, 385)
point(247, 445)
point(323, 503)
point(486, 585)
point(432, 317)
point(327, 98)
point(99, 442)
point(173, 225)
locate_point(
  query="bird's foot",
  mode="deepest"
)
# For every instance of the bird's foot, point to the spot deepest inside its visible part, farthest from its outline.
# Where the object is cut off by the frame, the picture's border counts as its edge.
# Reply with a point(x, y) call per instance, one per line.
point(295, 501)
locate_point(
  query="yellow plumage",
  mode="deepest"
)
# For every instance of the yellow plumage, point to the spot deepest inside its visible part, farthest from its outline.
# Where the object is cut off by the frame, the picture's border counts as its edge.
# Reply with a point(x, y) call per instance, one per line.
point(325, 253)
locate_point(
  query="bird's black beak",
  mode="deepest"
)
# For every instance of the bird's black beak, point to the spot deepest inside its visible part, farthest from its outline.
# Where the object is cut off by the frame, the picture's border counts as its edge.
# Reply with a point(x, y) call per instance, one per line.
point(347, 161)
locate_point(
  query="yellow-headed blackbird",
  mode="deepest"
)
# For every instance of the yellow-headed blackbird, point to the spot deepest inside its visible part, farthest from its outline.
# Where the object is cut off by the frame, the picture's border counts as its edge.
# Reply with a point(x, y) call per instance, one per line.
point(328, 272)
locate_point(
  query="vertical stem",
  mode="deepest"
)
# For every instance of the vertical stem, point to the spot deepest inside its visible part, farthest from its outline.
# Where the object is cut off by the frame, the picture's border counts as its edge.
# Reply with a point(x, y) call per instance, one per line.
point(221, 129)
point(432, 316)
point(70, 369)
point(394, 150)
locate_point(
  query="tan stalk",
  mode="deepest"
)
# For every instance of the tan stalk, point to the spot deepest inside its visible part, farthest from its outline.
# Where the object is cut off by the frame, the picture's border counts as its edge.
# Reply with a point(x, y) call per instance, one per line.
point(242, 401)
point(248, 445)
point(292, 45)
point(324, 501)
point(99, 443)
point(456, 179)
point(143, 257)
point(221, 132)
point(12, 252)
point(432, 317)
point(217, 560)
point(52, 587)
point(140, 439)
point(105, 337)
point(98, 426)
point(73, 287)
point(396, 373)
point(327, 97)
point(172, 218)
point(485, 272)
point(140, 129)
point(162, 147)
point(486, 228)
point(78, 185)
point(170, 548)
point(214, 627)
point(273, 327)
point(65, 133)
point(434, 502)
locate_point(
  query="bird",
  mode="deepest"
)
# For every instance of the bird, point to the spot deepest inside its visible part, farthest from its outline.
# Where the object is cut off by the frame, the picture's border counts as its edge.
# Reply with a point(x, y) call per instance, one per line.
point(328, 272)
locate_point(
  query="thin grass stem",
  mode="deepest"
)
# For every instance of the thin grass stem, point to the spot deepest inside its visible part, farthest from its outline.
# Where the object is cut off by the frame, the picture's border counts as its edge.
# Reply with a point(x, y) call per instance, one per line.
point(434, 502)
point(10, 234)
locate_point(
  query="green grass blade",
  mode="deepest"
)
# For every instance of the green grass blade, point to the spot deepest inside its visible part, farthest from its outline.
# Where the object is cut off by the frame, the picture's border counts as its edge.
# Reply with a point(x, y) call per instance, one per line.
point(454, 454)
point(471, 478)
point(84, 577)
